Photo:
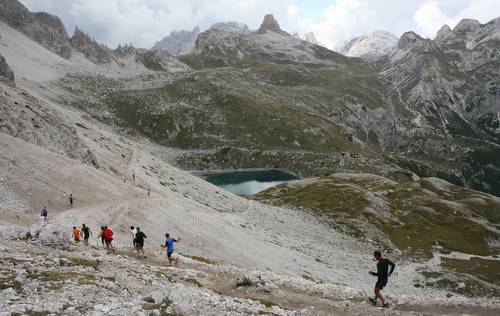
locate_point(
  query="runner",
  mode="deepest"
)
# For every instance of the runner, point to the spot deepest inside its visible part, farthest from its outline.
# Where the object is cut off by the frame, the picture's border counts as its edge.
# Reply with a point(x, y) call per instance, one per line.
point(169, 244)
point(76, 234)
point(70, 198)
point(133, 231)
point(108, 238)
point(86, 234)
point(101, 235)
point(139, 242)
point(382, 274)
point(44, 214)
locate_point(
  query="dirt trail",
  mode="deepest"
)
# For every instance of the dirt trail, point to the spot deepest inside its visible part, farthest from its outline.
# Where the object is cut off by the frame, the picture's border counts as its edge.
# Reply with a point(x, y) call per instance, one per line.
point(130, 169)
point(217, 277)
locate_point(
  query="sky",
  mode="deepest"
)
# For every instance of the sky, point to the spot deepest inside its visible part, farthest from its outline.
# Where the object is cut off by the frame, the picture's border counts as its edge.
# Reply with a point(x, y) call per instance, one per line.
point(143, 22)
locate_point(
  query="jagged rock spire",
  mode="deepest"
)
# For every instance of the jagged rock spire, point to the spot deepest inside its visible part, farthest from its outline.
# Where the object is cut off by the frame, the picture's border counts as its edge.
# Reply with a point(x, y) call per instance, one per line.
point(270, 24)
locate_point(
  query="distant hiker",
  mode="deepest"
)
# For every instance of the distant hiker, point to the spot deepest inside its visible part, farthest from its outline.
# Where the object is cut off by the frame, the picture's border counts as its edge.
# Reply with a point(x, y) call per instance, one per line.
point(139, 242)
point(382, 275)
point(149, 191)
point(44, 214)
point(169, 244)
point(101, 235)
point(124, 179)
point(76, 234)
point(133, 176)
point(133, 231)
point(108, 238)
point(86, 234)
point(70, 198)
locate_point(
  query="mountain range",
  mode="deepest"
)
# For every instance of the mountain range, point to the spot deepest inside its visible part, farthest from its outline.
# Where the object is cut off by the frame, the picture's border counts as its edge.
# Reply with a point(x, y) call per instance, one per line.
point(396, 151)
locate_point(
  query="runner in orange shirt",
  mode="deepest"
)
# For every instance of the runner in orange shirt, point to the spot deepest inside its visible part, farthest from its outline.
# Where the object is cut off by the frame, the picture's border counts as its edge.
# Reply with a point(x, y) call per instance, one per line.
point(76, 234)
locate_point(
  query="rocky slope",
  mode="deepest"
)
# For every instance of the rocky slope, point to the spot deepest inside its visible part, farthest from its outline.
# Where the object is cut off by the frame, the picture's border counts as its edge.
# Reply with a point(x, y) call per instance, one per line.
point(371, 47)
point(42, 27)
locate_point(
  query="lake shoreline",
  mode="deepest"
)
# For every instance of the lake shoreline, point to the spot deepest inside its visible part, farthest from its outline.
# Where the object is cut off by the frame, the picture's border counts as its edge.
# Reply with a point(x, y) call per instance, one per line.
point(204, 173)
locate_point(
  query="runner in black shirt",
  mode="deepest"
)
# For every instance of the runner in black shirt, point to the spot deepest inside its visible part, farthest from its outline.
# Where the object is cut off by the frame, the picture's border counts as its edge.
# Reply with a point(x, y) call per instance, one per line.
point(139, 242)
point(86, 234)
point(382, 275)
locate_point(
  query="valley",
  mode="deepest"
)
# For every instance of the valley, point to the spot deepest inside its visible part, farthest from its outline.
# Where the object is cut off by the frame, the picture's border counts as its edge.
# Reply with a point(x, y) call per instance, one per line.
point(313, 161)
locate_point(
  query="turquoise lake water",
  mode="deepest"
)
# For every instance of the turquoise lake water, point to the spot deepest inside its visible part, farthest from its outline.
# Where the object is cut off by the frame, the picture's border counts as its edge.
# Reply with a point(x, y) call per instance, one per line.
point(248, 182)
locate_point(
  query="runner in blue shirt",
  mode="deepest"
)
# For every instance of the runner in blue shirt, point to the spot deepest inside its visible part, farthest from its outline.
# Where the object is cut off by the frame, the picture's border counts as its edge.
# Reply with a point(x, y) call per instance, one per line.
point(169, 244)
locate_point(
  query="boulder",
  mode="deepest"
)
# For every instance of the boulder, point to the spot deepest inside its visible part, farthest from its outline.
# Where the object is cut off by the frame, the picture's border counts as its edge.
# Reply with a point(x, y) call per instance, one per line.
point(6, 74)
point(250, 280)
point(53, 235)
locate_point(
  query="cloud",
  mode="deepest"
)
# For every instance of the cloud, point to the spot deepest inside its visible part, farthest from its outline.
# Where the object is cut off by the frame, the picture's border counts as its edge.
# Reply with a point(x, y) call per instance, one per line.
point(293, 10)
point(430, 18)
point(342, 20)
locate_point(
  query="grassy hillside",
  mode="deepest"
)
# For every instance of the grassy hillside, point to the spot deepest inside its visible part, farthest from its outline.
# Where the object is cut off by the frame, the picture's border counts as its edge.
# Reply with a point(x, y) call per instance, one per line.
point(419, 218)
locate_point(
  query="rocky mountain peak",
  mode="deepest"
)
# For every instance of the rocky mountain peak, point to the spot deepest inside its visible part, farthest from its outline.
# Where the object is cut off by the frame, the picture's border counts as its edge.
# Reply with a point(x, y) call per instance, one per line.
point(370, 46)
point(270, 24)
point(178, 42)
point(444, 32)
point(97, 53)
point(467, 25)
point(231, 27)
point(411, 40)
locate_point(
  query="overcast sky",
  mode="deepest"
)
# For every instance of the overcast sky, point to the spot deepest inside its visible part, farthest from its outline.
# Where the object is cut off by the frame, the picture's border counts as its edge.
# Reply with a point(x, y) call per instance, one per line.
point(143, 22)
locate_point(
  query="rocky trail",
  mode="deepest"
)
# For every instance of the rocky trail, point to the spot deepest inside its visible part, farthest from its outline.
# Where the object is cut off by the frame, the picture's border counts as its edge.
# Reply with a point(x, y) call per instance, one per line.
point(36, 272)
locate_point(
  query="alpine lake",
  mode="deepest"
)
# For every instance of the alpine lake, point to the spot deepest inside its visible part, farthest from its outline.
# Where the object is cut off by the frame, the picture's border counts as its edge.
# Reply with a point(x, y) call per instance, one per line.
point(247, 182)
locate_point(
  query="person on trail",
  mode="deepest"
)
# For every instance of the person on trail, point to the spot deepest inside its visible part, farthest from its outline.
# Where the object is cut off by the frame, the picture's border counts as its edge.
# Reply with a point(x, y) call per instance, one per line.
point(133, 176)
point(133, 231)
point(100, 234)
point(108, 238)
point(382, 274)
point(70, 198)
point(169, 244)
point(44, 214)
point(149, 191)
point(76, 234)
point(139, 242)
point(86, 234)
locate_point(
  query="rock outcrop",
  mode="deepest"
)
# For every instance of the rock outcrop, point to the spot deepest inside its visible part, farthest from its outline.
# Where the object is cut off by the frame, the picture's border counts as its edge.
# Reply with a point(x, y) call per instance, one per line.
point(46, 29)
point(178, 42)
point(269, 24)
point(6, 74)
point(93, 51)
point(371, 46)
